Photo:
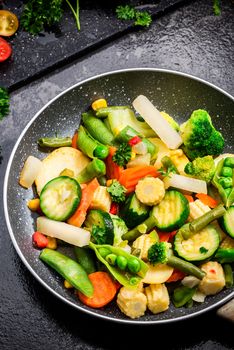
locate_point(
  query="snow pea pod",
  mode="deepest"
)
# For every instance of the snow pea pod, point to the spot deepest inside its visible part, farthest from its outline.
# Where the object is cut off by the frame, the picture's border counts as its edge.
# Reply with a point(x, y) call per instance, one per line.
point(89, 146)
point(182, 295)
point(85, 257)
point(69, 269)
point(125, 277)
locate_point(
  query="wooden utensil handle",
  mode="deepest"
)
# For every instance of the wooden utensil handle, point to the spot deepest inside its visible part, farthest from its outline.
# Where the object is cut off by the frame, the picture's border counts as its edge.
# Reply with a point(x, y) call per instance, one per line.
point(227, 311)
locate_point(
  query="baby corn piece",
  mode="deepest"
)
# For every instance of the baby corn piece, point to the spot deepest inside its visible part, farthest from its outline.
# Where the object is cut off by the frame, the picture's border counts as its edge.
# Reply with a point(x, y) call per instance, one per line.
point(157, 298)
point(179, 159)
point(132, 302)
point(150, 190)
point(143, 243)
point(214, 280)
point(101, 199)
point(197, 209)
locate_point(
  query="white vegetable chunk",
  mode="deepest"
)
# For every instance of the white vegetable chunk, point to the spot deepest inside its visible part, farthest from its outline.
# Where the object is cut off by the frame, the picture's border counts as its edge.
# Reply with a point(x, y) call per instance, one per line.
point(156, 121)
point(30, 171)
point(61, 230)
point(185, 183)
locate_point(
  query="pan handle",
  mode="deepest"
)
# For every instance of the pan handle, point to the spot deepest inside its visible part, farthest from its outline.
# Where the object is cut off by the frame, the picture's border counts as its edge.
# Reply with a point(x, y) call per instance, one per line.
point(227, 311)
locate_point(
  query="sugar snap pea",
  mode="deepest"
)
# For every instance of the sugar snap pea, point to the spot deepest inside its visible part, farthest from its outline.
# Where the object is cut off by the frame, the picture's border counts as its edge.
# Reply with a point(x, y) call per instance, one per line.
point(89, 146)
point(69, 269)
point(85, 258)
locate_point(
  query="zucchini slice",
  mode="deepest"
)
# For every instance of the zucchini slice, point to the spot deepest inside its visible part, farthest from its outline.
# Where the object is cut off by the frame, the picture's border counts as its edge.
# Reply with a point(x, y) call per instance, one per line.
point(60, 197)
point(172, 212)
point(227, 221)
point(200, 246)
point(134, 212)
point(102, 219)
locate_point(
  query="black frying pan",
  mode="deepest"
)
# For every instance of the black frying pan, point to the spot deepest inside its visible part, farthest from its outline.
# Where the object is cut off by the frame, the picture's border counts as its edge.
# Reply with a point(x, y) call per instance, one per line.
point(176, 93)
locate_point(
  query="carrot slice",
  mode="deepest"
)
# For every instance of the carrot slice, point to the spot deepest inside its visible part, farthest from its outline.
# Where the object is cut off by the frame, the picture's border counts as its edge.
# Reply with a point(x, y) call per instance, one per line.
point(104, 290)
point(189, 198)
point(176, 276)
point(79, 216)
point(74, 140)
point(130, 177)
point(166, 236)
point(207, 200)
point(113, 170)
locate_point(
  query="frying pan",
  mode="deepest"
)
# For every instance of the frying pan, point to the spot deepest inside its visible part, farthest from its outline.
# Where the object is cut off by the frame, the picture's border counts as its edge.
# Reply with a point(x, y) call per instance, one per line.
point(176, 93)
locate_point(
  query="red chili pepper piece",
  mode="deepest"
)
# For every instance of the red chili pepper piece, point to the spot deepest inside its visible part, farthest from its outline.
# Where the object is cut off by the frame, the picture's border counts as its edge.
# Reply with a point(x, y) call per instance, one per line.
point(135, 140)
point(114, 208)
point(40, 240)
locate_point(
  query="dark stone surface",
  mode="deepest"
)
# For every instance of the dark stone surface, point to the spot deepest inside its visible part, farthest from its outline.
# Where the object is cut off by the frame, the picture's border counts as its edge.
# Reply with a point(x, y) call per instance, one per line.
point(34, 56)
point(190, 39)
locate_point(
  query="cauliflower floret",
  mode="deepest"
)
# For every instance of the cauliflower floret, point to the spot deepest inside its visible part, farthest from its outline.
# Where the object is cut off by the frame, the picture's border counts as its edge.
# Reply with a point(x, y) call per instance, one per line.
point(157, 298)
point(214, 281)
point(150, 190)
point(132, 302)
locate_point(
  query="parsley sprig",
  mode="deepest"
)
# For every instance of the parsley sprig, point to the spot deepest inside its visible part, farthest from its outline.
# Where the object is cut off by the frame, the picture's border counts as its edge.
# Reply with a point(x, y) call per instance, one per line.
point(117, 192)
point(123, 154)
point(127, 12)
point(4, 103)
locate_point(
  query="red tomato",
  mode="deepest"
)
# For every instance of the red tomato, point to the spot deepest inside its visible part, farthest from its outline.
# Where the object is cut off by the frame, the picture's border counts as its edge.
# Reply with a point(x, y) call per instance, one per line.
point(5, 50)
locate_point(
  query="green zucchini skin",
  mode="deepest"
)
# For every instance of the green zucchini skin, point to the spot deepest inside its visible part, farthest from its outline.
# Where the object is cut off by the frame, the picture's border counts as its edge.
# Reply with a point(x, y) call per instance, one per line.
point(227, 221)
point(60, 197)
point(102, 219)
point(172, 212)
point(204, 244)
point(134, 212)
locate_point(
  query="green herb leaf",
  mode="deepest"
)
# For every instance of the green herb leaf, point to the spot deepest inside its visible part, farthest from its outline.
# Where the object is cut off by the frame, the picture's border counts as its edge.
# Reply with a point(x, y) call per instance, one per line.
point(142, 18)
point(123, 154)
point(4, 102)
point(203, 250)
point(99, 235)
point(117, 192)
point(216, 7)
point(125, 12)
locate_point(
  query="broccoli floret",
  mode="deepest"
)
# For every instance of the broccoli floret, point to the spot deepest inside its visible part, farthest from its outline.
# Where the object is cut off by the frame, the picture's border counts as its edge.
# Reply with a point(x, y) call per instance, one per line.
point(158, 253)
point(199, 136)
point(117, 192)
point(201, 168)
point(120, 229)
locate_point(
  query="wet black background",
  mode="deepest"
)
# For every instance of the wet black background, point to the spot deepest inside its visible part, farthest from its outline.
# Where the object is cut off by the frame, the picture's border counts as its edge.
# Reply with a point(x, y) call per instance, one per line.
point(188, 39)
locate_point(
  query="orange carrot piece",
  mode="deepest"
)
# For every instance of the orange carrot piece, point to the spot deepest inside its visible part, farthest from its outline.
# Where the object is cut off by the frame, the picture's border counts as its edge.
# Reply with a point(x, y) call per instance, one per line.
point(74, 140)
point(189, 198)
point(130, 177)
point(104, 290)
point(166, 236)
point(79, 216)
point(113, 170)
point(207, 200)
point(177, 275)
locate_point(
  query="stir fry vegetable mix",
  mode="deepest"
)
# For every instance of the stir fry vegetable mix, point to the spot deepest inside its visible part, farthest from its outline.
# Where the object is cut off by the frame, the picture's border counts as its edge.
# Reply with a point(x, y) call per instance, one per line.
point(131, 197)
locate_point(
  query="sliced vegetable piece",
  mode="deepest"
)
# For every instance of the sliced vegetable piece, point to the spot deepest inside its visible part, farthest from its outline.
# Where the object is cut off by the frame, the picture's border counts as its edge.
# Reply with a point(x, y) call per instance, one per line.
point(227, 221)
point(30, 171)
point(85, 258)
point(54, 142)
point(113, 170)
point(79, 216)
point(150, 191)
point(177, 275)
point(207, 200)
point(200, 246)
point(5, 50)
point(182, 295)
point(172, 212)
point(134, 212)
point(60, 197)
point(95, 168)
point(101, 219)
point(185, 183)
point(39, 240)
point(68, 269)
point(58, 160)
point(104, 290)
point(156, 121)
point(67, 233)
point(159, 273)
point(8, 23)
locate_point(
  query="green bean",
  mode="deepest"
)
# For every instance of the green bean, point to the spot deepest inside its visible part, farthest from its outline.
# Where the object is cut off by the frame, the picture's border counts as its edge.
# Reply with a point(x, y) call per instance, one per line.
point(185, 267)
point(55, 142)
point(69, 269)
point(137, 231)
point(228, 275)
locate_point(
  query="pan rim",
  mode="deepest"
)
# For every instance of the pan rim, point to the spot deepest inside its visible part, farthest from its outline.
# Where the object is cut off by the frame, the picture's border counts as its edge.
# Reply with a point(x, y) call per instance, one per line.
point(10, 230)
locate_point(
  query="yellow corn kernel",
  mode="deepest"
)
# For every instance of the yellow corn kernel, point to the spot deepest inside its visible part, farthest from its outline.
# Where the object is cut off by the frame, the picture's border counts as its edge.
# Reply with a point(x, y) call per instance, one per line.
point(67, 172)
point(133, 155)
point(101, 199)
point(34, 204)
point(67, 284)
point(52, 243)
point(109, 182)
point(100, 103)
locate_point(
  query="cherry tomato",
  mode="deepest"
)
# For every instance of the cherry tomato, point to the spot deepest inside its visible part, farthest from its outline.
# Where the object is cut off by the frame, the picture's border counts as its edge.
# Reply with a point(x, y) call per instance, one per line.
point(5, 50)
point(8, 23)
